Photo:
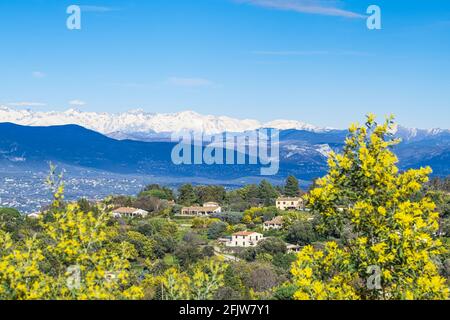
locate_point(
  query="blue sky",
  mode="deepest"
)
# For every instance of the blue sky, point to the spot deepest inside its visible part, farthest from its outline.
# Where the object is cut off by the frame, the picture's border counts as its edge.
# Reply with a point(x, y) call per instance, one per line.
point(309, 60)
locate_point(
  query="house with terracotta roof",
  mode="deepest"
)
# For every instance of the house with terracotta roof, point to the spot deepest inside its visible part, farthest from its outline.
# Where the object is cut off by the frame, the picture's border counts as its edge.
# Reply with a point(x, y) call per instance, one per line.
point(288, 203)
point(245, 239)
point(127, 212)
point(207, 209)
point(274, 224)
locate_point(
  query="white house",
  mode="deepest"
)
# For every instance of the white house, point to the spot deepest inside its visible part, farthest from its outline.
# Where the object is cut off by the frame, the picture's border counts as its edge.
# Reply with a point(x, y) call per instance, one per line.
point(274, 224)
point(207, 209)
point(287, 203)
point(245, 239)
point(126, 212)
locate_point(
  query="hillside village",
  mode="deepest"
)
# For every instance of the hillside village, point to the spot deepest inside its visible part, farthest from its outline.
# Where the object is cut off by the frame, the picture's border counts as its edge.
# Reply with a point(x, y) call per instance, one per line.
point(228, 232)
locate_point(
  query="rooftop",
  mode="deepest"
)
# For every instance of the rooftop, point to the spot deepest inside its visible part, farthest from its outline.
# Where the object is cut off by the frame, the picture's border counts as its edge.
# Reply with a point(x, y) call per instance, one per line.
point(125, 210)
point(244, 233)
point(208, 208)
point(276, 220)
point(290, 199)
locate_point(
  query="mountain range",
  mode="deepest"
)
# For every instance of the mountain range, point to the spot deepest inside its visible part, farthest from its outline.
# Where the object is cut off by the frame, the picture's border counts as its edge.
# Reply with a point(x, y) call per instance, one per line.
point(136, 143)
point(140, 125)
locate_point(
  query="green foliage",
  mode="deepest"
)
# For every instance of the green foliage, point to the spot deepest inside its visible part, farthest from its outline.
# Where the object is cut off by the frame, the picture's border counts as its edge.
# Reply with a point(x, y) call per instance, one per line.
point(202, 222)
point(285, 292)
point(210, 194)
point(156, 191)
point(186, 195)
point(301, 232)
point(258, 215)
point(271, 246)
point(71, 240)
point(11, 221)
point(217, 230)
point(229, 217)
point(201, 282)
point(284, 261)
point(291, 189)
point(188, 251)
point(143, 245)
point(263, 277)
point(384, 222)
point(267, 193)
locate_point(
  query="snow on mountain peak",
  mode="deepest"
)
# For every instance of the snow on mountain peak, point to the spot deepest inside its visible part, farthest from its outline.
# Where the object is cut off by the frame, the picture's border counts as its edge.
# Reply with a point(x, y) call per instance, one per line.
point(291, 124)
point(139, 121)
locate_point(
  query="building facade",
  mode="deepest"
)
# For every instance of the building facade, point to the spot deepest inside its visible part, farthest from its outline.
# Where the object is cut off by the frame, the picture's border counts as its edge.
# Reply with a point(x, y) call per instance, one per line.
point(245, 239)
point(287, 203)
point(206, 210)
point(274, 224)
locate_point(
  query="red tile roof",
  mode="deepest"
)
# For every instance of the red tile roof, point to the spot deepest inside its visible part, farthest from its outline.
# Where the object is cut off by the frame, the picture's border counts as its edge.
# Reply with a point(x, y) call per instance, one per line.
point(244, 233)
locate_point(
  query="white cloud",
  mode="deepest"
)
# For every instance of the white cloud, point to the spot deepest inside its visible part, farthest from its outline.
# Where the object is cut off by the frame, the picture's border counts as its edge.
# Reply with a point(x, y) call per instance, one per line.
point(26, 104)
point(320, 7)
point(77, 103)
point(189, 82)
point(38, 74)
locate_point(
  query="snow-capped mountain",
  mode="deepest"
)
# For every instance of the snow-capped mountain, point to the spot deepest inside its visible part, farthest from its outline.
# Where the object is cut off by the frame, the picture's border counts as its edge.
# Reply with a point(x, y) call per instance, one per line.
point(144, 126)
point(408, 134)
point(138, 124)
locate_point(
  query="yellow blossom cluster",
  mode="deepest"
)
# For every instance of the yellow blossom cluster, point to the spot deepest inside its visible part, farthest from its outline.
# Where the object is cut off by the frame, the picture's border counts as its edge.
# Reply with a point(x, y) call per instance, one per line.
point(200, 283)
point(40, 267)
point(391, 225)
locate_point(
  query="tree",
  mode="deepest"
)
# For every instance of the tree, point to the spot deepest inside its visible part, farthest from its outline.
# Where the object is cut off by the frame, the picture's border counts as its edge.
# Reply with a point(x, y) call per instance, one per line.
point(267, 193)
point(75, 244)
point(250, 193)
point(235, 201)
point(187, 195)
point(188, 253)
point(262, 277)
point(143, 245)
point(11, 221)
point(210, 193)
point(162, 232)
point(291, 189)
point(301, 232)
point(234, 288)
point(392, 226)
point(271, 246)
point(155, 190)
point(217, 230)
point(259, 215)
point(188, 250)
point(149, 203)
point(284, 261)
